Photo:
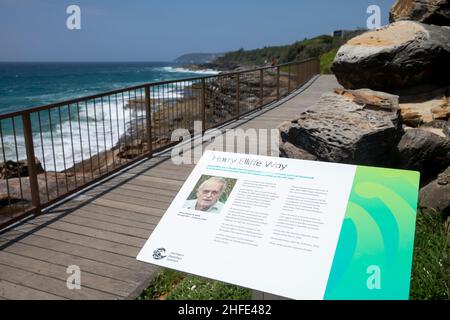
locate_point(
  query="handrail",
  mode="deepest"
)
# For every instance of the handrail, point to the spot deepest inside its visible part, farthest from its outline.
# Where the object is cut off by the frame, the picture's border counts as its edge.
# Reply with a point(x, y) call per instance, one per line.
point(97, 135)
point(140, 86)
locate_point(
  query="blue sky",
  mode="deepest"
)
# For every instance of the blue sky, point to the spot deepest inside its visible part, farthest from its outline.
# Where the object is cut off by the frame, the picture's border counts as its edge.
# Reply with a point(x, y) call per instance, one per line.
point(148, 30)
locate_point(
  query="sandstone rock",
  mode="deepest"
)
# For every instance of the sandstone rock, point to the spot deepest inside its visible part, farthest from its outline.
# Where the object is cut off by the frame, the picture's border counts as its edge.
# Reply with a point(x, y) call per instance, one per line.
point(12, 169)
point(436, 131)
point(221, 94)
point(446, 130)
point(288, 150)
point(439, 127)
point(339, 129)
point(427, 11)
point(370, 99)
point(51, 185)
point(96, 165)
point(434, 198)
point(131, 151)
point(423, 104)
point(399, 55)
point(423, 151)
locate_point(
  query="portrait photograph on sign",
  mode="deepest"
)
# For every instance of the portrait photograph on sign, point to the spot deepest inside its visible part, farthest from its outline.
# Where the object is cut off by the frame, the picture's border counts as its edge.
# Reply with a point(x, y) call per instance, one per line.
point(210, 194)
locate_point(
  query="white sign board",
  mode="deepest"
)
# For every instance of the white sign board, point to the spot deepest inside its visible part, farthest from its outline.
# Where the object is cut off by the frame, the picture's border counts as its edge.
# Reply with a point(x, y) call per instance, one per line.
point(270, 224)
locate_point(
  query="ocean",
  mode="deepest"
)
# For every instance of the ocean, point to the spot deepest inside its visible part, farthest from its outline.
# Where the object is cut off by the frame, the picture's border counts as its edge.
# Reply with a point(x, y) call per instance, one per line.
point(27, 85)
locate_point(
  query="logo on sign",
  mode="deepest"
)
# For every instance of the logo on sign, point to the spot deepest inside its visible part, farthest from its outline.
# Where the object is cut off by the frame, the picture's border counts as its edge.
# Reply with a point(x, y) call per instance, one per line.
point(158, 254)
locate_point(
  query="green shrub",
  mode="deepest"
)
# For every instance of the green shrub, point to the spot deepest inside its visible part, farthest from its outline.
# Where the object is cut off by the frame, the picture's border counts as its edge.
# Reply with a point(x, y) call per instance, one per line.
point(326, 61)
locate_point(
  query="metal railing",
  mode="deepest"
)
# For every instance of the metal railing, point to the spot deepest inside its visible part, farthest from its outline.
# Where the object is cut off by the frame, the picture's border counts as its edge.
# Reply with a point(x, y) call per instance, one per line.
point(52, 151)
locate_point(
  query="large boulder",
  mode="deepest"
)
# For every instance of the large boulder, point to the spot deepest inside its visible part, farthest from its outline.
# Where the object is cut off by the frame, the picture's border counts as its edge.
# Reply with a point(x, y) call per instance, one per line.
point(14, 169)
point(427, 11)
point(402, 54)
point(423, 151)
point(434, 198)
point(358, 127)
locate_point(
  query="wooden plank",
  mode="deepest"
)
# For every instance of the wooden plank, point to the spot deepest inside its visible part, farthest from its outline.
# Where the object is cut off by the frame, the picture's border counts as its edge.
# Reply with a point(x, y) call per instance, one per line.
point(148, 203)
point(13, 291)
point(155, 195)
point(160, 182)
point(128, 206)
point(167, 174)
point(137, 232)
point(85, 241)
point(143, 189)
point(87, 280)
point(112, 219)
point(168, 167)
point(147, 184)
point(152, 217)
point(169, 170)
point(137, 180)
point(50, 285)
point(91, 253)
point(134, 194)
point(72, 218)
point(96, 233)
point(66, 259)
point(182, 169)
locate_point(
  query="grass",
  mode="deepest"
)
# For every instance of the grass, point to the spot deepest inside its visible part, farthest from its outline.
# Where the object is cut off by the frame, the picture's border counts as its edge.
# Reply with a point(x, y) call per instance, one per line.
point(197, 288)
point(326, 60)
point(174, 285)
point(430, 278)
point(164, 282)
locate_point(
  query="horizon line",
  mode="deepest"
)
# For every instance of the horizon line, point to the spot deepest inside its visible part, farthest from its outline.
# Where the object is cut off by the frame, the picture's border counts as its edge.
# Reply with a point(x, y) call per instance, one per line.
point(134, 61)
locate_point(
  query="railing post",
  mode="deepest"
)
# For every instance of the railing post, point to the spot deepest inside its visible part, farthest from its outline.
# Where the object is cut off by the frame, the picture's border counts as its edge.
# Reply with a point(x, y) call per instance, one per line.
point(31, 162)
point(304, 73)
point(261, 92)
point(203, 105)
point(238, 95)
point(289, 79)
point(298, 75)
point(148, 113)
point(278, 83)
point(310, 69)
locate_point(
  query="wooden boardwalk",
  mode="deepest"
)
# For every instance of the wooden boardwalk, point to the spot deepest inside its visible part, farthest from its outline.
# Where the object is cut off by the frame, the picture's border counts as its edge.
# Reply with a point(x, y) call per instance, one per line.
point(102, 229)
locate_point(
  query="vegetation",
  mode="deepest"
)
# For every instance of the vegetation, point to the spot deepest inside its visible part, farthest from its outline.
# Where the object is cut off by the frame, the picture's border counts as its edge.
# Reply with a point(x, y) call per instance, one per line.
point(164, 283)
point(326, 60)
point(173, 285)
point(300, 50)
point(430, 277)
point(197, 57)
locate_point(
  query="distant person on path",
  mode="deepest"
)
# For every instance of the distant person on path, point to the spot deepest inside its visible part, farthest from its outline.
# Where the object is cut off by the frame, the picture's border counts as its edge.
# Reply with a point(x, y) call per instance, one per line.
point(208, 195)
point(274, 62)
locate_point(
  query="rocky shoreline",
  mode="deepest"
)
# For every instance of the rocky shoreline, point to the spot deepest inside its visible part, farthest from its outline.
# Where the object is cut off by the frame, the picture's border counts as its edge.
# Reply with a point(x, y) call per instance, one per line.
point(170, 114)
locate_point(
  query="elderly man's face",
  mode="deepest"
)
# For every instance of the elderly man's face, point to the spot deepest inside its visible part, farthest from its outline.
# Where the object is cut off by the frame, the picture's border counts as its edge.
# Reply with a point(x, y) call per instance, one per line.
point(208, 195)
